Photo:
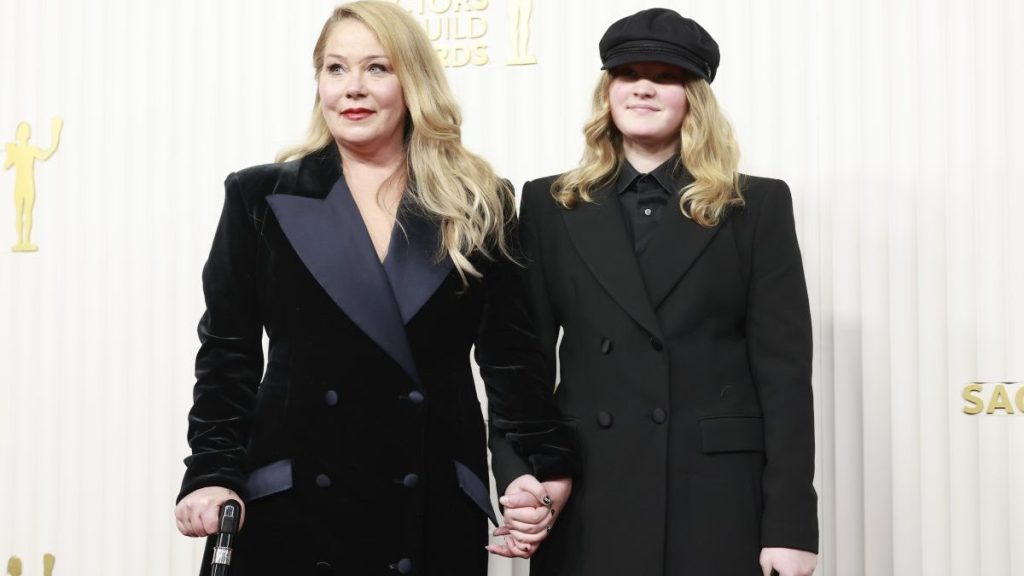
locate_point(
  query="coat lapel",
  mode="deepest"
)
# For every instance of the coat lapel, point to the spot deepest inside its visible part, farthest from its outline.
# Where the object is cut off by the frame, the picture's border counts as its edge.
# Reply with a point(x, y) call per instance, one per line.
point(599, 235)
point(677, 243)
point(330, 238)
point(412, 266)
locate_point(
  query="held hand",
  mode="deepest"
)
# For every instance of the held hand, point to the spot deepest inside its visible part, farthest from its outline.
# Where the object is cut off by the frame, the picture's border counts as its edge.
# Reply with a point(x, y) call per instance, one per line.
point(524, 504)
point(559, 490)
point(788, 562)
point(531, 508)
point(511, 548)
point(196, 514)
point(540, 509)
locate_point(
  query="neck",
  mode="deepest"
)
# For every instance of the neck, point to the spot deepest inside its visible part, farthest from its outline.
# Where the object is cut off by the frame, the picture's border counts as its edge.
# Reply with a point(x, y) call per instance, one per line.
point(375, 174)
point(646, 157)
point(378, 158)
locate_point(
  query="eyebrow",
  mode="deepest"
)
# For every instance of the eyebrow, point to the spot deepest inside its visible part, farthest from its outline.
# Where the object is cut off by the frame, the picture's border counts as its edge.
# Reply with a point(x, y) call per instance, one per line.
point(370, 57)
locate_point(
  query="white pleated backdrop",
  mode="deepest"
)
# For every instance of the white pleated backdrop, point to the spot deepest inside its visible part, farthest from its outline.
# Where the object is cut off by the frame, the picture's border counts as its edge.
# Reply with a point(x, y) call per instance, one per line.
point(897, 124)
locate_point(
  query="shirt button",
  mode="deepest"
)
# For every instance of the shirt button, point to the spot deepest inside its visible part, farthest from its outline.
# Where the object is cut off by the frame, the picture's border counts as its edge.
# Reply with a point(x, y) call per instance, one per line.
point(415, 397)
point(331, 398)
point(324, 568)
point(604, 419)
point(606, 346)
point(656, 344)
point(659, 416)
point(323, 480)
point(647, 211)
point(410, 480)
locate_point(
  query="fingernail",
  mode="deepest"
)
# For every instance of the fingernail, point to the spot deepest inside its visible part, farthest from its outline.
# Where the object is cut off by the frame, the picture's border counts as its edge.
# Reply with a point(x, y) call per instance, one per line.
point(503, 500)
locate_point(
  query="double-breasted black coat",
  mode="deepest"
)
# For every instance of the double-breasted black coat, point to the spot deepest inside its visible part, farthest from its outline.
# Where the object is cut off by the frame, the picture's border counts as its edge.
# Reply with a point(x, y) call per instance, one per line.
point(359, 446)
point(687, 371)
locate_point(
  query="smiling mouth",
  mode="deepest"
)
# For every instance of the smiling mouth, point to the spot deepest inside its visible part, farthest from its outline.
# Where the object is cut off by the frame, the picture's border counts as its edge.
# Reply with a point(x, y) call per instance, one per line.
point(356, 113)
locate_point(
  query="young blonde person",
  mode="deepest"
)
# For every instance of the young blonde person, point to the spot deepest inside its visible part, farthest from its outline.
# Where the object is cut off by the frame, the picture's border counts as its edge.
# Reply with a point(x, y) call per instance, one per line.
point(686, 350)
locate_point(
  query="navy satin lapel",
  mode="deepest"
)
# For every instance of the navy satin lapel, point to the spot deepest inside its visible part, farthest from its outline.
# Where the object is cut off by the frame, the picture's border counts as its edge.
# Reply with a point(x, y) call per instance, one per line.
point(599, 235)
point(332, 241)
point(412, 265)
point(676, 244)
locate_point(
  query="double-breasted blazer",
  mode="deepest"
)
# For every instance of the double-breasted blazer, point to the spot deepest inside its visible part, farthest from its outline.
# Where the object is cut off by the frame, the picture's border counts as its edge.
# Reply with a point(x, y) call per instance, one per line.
point(687, 372)
point(359, 445)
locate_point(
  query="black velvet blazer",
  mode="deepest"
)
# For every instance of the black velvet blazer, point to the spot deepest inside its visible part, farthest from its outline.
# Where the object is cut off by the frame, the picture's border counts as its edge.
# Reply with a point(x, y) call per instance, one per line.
point(359, 446)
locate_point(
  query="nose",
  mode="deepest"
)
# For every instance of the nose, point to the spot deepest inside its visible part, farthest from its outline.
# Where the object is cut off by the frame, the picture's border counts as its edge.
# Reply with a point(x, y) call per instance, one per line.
point(643, 87)
point(354, 87)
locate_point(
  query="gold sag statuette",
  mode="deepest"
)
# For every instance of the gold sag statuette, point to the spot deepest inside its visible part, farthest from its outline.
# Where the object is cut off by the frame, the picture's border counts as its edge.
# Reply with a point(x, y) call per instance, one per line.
point(14, 565)
point(519, 12)
point(23, 156)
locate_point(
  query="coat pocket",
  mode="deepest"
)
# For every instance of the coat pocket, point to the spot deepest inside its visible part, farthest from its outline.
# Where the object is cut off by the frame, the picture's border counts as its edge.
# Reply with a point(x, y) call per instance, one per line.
point(732, 434)
point(476, 489)
point(270, 479)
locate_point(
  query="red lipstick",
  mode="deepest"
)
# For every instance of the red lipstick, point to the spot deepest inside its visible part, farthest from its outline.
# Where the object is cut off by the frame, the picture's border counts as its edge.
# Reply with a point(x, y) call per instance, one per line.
point(356, 113)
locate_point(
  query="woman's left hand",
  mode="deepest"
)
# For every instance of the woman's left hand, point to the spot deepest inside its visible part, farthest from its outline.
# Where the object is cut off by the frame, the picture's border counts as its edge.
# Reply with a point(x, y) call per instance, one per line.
point(530, 510)
point(788, 562)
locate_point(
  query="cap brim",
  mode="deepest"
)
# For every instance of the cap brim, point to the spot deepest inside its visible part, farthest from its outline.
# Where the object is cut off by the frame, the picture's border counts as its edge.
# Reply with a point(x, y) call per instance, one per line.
point(633, 57)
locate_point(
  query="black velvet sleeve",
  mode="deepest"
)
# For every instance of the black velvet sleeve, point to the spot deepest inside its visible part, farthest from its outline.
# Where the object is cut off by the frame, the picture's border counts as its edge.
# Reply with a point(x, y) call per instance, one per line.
point(230, 359)
point(527, 434)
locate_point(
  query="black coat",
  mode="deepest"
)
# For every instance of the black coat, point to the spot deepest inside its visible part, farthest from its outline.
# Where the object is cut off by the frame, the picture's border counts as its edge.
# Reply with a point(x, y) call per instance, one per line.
point(687, 371)
point(360, 449)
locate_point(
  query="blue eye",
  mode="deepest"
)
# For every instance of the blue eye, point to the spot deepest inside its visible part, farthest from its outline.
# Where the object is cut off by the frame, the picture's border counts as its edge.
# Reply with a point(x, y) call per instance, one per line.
point(377, 68)
point(334, 68)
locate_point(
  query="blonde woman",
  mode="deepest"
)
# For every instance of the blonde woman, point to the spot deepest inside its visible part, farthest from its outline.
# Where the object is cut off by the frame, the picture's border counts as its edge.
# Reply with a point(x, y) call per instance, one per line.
point(686, 354)
point(374, 257)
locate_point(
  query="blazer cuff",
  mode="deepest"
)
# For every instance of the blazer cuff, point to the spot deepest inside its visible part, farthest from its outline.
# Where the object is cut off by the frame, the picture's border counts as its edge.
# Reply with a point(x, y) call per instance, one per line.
point(198, 475)
point(550, 446)
point(800, 533)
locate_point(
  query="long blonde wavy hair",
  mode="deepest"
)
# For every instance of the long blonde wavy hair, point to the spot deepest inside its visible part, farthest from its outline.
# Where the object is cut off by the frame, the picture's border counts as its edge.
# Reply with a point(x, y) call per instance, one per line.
point(708, 151)
point(445, 180)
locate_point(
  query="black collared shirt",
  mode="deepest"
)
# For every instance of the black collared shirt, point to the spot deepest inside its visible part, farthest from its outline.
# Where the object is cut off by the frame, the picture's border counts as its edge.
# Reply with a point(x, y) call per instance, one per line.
point(644, 198)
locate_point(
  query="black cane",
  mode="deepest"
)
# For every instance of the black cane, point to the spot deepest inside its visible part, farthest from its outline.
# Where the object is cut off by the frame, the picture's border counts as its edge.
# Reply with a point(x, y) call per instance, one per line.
point(227, 526)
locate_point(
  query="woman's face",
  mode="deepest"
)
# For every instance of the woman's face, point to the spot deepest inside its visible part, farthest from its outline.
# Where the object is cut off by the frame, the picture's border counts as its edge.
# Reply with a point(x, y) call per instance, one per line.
point(360, 95)
point(648, 102)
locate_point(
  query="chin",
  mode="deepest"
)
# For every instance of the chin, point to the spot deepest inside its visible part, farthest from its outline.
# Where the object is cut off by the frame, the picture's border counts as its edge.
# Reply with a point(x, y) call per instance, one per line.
point(648, 137)
point(355, 139)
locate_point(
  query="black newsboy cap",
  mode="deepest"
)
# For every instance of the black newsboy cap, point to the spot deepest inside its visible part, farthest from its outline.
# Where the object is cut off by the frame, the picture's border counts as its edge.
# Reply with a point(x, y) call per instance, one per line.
point(660, 35)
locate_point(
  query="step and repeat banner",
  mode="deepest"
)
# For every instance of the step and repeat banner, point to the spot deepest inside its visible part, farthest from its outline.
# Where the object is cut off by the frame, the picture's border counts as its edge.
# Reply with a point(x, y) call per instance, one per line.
point(896, 124)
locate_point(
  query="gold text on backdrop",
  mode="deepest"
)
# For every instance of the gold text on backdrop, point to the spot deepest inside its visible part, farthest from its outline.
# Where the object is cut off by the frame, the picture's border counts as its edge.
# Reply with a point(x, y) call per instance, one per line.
point(993, 398)
point(459, 30)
